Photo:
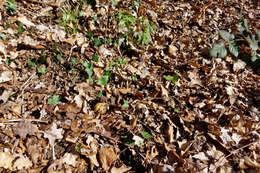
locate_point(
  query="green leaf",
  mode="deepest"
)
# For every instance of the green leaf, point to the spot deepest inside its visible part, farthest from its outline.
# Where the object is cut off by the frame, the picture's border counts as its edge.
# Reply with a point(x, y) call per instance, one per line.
point(258, 35)
point(146, 135)
point(32, 63)
point(218, 50)
point(59, 58)
point(100, 94)
point(20, 28)
point(125, 105)
point(10, 5)
point(90, 34)
point(252, 43)
point(174, 78)
point(104, 80)
point(97, 42)
point(233, 48)
point(4, 36)
point(114, 3)
point(226, 35)
point(134, 78)
point(41, 70)
point(74, 61)
point(95, 57)
point(78, 148)
point(89, 69)
point(54, 100)
point(245, 24)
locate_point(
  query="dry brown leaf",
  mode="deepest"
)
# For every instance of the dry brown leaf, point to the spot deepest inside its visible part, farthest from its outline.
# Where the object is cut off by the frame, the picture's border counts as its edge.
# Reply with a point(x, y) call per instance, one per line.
point(107, 157)
point(25, 128)
point(101, 108)
point(121, 169)
point(22, 163)
point(5, 76)
point(6, 160)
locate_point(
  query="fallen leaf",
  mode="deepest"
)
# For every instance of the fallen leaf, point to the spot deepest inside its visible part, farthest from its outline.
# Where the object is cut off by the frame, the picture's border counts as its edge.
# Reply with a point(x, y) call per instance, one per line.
point(121, 169)
point(69, 159)
point(5, 76)
point(6, 160)
point(52, 135)
point(22, 163)
point(107, 157)
point(25, 128)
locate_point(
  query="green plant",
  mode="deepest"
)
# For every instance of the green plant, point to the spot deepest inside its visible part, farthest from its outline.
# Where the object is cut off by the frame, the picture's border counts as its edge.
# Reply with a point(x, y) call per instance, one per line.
point(245, 35)
point(173, 78)
point(4, 36)
point(10, 5)
point(95, 57)
point(32, 63)
point(54, 100)
point(125, 105)
point(146, 135)
point(69, 20)
point(20, 28)
point(59, 58)
point(144, 37)
point(41, 70)
point(89, 69)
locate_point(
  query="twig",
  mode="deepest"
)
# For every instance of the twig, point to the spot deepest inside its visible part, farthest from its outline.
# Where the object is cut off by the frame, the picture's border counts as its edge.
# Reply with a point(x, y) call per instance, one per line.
point(18, 120)
point(233, 152)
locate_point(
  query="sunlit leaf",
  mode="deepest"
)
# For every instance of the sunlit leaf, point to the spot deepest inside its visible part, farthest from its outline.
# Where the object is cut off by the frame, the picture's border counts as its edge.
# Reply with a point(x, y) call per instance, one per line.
point(54, 100)
point(233, 48)
point(89, 69)
point(226, 35)
point(146, 135)
point(125, 105)
point(218, 50)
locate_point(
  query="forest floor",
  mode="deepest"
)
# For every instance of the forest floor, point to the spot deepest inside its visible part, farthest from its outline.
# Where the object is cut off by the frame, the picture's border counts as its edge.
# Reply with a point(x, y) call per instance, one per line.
point(129, 86)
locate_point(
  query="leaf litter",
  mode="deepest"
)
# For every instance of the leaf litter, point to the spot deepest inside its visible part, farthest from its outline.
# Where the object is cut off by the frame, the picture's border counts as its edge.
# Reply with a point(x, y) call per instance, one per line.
point(127, 86)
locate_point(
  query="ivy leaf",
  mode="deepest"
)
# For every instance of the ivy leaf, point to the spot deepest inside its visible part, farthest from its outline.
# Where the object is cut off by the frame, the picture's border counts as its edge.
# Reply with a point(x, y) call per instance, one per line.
point(226, 35)
point(89, 69)
point(146, 135)
point(54, 100)
point(233, 48)
point(218, 50)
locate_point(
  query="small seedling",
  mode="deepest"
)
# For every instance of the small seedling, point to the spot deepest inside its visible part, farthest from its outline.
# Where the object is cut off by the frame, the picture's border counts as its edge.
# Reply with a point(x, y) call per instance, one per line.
point(95, 57)
point(146, 135)
point(134, 78)
point(98, 41)
point(4, 36)
point(54, 100)
point(41, 70)
point(20, 28)
point(174, 78)
point(59, 58)
point(10, 5)
point(32, 63)
point(89, 69)
point(78, 147)
point(104, 79)
point(125, 105)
